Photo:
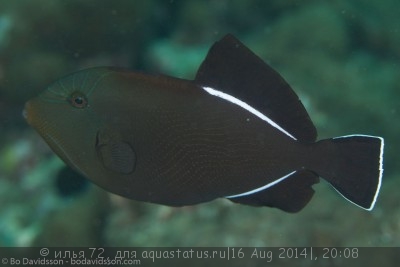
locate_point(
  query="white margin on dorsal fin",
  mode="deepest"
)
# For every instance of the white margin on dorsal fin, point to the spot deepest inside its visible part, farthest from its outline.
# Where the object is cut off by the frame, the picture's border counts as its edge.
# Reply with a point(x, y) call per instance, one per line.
point(262, 187)
point(247, 107)
point(378, 188)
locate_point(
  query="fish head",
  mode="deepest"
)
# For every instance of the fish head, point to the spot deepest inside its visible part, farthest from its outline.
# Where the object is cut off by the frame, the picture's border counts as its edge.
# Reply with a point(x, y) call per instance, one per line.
point(67, 119)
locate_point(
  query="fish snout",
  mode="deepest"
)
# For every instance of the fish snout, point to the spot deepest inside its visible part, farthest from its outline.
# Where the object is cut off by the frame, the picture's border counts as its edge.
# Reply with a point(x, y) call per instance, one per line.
point(27, 112)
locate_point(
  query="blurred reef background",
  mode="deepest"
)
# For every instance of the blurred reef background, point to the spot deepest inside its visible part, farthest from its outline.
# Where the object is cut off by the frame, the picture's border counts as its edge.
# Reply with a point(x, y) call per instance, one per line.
point(341, 57)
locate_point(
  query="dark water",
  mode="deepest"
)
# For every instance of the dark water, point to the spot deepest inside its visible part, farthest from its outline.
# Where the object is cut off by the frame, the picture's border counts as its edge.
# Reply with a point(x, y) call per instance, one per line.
point(341, 57)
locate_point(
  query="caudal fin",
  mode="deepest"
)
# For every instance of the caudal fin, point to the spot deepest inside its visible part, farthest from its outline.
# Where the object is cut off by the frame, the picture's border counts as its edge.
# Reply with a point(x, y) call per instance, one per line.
point(353, 166)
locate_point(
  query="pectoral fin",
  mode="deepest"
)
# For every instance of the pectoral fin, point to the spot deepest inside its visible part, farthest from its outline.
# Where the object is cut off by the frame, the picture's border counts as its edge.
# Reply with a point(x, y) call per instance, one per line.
point(115, 154)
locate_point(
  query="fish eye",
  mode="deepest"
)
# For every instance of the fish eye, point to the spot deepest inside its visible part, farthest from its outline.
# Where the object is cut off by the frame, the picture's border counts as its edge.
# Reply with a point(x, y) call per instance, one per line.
point(78, 100)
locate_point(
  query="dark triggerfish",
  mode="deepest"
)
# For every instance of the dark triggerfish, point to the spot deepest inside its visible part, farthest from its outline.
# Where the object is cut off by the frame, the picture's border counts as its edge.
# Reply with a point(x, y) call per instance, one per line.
point(237, 131)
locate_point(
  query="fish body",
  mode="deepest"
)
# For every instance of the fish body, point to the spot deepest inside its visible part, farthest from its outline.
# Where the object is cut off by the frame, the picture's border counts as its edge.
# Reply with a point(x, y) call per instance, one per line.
point(236, 131)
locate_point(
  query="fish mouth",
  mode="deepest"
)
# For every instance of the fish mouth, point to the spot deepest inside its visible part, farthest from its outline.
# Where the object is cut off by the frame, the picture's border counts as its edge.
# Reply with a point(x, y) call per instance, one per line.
point(24, 113)
point(27, 112)
point(30, 113)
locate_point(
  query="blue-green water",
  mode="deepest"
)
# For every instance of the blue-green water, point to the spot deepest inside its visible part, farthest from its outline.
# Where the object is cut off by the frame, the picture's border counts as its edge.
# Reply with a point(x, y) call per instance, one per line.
point(341, 57)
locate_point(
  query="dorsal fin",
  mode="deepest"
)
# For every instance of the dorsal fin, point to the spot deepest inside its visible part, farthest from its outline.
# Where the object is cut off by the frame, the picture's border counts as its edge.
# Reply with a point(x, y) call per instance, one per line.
point(232, 68)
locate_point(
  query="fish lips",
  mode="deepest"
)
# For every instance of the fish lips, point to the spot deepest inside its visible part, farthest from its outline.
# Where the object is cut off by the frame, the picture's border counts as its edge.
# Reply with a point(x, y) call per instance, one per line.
point(27, 112)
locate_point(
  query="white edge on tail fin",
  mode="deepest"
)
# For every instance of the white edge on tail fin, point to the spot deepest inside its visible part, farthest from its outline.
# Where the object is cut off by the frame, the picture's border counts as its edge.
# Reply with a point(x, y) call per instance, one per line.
point(247, 107)
point(262, 187)
point(378, 188)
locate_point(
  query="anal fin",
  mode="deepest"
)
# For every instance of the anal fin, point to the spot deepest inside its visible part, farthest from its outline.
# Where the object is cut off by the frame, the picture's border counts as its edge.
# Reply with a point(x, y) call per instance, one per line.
point(290, 195)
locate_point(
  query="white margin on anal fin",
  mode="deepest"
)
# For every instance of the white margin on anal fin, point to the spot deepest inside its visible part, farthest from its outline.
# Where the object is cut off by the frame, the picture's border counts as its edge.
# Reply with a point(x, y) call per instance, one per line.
point(378, 188)
point(247, 107)
point(262, 187)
